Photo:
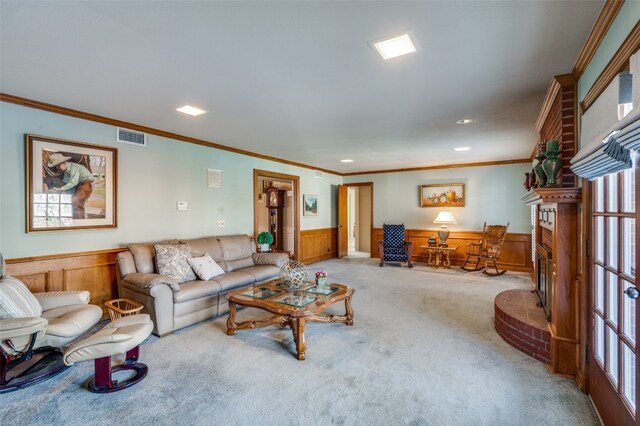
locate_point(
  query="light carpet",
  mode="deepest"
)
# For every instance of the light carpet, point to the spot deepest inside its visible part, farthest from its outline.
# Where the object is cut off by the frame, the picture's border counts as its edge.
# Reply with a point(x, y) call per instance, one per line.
point(423, 351)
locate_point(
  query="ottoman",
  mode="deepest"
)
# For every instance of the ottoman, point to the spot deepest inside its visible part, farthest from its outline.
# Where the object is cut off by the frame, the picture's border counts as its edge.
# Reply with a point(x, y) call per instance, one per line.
point(123, 335)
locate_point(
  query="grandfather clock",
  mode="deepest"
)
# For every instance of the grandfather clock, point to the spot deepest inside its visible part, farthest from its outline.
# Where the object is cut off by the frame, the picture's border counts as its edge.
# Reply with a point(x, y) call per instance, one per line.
point(275, 203)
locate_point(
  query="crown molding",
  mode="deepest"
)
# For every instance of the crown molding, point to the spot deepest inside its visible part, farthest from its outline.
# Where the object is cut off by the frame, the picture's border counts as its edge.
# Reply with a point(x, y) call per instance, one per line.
point(552, 195)
point(606, 17)
point(617, 62)
point(30, 103)
point(446, 166)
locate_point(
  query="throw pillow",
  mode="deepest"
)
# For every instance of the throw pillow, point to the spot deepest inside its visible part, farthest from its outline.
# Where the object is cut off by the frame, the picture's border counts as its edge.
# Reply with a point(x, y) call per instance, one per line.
point(16, 301)
point(205, 267)
point(173, 261)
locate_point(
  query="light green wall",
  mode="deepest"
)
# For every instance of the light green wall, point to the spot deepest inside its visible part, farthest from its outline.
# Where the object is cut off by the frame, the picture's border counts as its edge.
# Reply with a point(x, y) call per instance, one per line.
point(626, 19)
point(150, 182)
point(492, 192)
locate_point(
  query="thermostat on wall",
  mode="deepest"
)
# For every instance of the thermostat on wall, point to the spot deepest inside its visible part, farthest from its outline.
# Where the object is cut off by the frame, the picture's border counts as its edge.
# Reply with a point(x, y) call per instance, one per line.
point(181, 206)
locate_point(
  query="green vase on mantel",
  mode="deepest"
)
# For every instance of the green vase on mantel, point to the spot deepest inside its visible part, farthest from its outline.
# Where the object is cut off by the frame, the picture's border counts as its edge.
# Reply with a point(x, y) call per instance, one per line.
point(542, 177)
point(552, 164)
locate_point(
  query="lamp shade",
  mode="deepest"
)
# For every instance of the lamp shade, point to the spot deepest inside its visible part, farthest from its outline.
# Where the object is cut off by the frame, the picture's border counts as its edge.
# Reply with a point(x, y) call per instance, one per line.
point(445, 217)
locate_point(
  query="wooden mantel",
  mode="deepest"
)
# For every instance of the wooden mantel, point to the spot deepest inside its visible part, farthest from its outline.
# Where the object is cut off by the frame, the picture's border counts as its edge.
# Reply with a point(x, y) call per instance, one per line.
point(552, 195)
point(557, 236)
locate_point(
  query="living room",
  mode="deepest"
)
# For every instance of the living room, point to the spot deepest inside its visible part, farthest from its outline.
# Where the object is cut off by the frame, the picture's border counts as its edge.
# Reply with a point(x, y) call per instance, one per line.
point(422, 345)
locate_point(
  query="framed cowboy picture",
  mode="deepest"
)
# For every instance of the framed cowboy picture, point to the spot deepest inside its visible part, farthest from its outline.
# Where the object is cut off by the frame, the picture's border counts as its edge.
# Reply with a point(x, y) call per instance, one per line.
point(70, 185)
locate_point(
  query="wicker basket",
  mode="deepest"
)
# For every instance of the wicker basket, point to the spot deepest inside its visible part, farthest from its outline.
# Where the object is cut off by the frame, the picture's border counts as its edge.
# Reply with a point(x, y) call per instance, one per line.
point(122, 307)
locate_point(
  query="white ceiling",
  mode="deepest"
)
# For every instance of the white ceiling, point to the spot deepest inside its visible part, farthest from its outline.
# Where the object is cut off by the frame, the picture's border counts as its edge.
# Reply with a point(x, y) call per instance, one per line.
point(297, 80)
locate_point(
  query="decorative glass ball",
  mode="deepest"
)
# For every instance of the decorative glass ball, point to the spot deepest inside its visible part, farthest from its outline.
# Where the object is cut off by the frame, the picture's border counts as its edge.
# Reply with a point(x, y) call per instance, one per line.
point(293, 276)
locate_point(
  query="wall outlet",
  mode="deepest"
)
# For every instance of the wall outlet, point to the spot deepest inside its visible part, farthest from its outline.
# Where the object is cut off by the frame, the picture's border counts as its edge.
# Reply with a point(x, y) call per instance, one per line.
point(181, 206)
point(220, 223)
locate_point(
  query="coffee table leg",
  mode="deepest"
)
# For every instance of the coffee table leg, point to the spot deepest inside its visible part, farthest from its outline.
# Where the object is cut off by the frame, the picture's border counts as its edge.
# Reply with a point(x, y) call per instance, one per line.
point(349, 309)
point(231, 320)
point(297, 326)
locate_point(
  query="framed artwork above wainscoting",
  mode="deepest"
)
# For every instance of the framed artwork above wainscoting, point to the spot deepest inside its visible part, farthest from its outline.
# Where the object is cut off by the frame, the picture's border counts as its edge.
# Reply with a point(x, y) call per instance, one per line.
point(442, 195)
point(70, 185)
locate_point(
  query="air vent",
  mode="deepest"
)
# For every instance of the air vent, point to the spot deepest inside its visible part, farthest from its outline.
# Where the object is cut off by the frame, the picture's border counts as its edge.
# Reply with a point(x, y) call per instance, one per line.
point(319, 174)
point(131, 137)
point(214, 178)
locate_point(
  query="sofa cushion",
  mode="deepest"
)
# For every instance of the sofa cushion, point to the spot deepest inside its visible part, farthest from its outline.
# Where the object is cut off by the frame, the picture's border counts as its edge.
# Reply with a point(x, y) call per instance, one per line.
point(235, 279)
point(16, 301)
point(263, 272)
point(275, 259)
point(205, 267)
point(172, 261)
point(144, 255)
point(236, 247)
point(234, 265)
point(206, 245)
point(196, 289)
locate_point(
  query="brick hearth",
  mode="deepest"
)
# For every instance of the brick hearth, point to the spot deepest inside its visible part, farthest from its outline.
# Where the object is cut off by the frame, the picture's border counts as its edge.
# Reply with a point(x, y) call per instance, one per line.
point(522, 324)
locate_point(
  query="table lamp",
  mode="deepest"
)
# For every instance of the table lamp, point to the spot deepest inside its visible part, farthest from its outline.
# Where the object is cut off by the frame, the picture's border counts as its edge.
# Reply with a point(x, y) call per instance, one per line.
point(444, 217)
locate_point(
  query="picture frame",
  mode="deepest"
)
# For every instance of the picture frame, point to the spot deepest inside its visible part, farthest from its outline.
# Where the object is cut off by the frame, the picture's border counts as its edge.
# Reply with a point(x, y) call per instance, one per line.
point(442, 195)
point(70, 185)
point(309, 205)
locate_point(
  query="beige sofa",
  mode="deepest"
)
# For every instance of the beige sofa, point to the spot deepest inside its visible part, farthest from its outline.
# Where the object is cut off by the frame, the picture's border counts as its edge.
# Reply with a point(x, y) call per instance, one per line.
point(172, 305)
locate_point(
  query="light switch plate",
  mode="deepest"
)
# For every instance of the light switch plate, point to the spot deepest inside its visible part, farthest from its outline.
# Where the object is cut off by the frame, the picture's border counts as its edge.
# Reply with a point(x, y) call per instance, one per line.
point(181, 206)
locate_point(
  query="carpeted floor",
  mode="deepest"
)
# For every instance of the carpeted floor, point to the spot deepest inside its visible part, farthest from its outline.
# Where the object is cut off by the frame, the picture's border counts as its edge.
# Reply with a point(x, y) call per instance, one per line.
point(423, 351)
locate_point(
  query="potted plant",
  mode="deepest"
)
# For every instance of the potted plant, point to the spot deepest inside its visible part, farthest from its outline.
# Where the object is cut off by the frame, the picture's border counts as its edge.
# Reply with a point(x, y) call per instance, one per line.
point(265, 239)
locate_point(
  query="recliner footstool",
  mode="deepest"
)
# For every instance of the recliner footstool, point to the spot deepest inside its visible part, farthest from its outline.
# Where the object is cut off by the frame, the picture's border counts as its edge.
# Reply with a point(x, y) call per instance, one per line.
point(123, 335)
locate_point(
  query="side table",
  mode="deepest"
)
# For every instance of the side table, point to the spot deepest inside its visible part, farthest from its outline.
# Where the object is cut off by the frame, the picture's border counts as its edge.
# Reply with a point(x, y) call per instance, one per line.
point(439, 256)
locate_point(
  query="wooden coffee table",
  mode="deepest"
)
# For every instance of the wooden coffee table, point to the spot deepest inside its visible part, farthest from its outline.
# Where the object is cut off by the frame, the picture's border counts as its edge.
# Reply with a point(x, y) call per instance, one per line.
point(290, 309)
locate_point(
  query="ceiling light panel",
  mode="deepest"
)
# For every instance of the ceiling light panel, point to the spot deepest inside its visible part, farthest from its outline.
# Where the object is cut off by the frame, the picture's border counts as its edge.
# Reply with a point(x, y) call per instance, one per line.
point(462, 148)
point(347, 160)
point(395, 46)
point(464, 121)
point(188, 109)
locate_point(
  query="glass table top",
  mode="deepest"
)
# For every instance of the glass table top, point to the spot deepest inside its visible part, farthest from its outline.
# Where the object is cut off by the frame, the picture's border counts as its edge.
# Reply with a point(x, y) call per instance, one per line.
point(296, 300)
point(261, 292)
point(324, 290)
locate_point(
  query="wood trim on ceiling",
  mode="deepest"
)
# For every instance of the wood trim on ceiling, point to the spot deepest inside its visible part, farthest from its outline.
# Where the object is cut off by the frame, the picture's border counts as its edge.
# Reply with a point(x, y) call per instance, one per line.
point(630, 45)
point(5, 97)
point(606, 17)
point(445, 166)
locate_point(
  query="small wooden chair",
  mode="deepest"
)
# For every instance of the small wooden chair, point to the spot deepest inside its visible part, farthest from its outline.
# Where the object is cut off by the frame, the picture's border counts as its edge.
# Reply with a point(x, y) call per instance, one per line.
point(487, 248)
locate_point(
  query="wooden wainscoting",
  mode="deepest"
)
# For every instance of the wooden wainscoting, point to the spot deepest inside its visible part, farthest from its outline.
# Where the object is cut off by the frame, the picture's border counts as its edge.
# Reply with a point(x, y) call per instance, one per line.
point(94, 271)
point(318, 244)
point(516, 252)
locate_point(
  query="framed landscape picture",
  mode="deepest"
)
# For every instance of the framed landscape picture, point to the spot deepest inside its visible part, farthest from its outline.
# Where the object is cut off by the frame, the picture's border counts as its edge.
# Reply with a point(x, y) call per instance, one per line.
point(70, 185)
point(310, 205)
point(442, 195)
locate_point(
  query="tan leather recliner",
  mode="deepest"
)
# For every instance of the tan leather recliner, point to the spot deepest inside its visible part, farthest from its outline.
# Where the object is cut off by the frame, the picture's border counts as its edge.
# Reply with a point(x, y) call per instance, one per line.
point(33, 328)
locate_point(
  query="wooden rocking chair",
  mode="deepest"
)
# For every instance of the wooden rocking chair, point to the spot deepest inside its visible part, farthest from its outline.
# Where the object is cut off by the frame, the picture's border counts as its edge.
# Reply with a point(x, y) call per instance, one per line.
point(487, 249)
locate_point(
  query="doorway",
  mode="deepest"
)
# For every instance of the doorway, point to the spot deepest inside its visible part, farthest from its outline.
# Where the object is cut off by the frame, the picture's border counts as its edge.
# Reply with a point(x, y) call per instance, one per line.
point(275, 209)
point(613, 322)
point(359, 218)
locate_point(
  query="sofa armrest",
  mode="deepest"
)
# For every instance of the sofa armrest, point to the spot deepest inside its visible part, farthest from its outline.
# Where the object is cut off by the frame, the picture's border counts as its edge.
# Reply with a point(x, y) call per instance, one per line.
point(276, 259)
point(146, 281)
point(57, 299)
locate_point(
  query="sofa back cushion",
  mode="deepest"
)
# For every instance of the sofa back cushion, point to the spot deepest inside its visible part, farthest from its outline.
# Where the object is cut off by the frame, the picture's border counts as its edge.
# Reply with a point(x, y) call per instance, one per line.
point(144, 255)
point(207, 245)
point(16, 301)
point(237, 251)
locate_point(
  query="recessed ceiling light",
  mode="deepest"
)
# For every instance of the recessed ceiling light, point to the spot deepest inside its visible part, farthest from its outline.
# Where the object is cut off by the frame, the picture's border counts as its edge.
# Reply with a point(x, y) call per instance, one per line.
point(188, 109)
point(464, 121)
point(462, 148)
point(395, 46)
point(347, 160)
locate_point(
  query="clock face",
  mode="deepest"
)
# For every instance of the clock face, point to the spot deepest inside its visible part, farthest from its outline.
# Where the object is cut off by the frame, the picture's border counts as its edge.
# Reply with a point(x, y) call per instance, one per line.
point(273, 198)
